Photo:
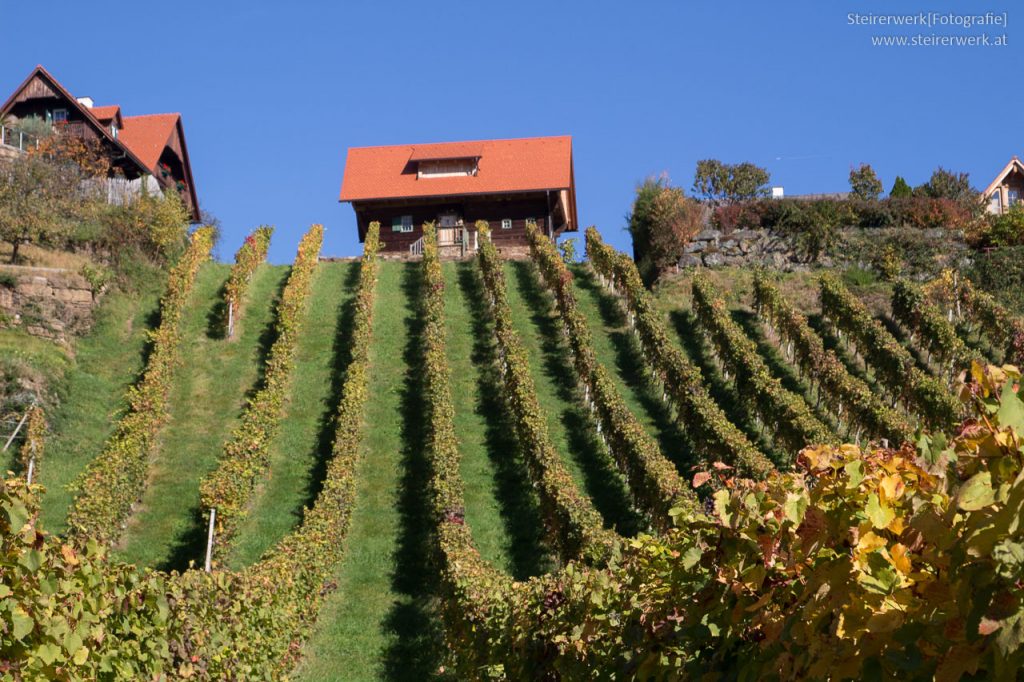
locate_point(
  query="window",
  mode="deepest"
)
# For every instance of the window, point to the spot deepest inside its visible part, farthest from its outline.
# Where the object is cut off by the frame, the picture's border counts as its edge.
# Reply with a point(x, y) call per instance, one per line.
point(446, 168)
point(401, 223)
point(1012, 196)
point(449, 220)
point(530, 220)
point(506, 223)
point(60, 115)
point(113, 131)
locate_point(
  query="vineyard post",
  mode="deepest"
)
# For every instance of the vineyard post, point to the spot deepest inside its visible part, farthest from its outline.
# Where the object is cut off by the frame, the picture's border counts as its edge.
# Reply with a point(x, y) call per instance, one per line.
point(209, 539)
point(31, 464)
point(231, 318)
point(18, 427)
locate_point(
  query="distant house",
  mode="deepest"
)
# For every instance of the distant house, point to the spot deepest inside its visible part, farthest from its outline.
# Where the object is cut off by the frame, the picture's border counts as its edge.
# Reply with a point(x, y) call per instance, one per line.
point(1006, 189)
point(144, 151)
point(508, 183)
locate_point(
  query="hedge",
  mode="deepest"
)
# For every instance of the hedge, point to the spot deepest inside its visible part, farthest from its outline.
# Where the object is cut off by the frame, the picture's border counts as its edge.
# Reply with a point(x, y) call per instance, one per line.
point(929, 327)
point(848, 398)
point(110, 485)
point(892, 362)
point(781, 411)
point(653, 480)
point(700, 415)
point(573, 524)
point(249, 256)
point(246, 456)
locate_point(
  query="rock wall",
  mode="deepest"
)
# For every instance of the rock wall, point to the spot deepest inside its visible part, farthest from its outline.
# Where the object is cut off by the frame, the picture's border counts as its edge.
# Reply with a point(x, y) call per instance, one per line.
point(714, 248)
point(922, 252)
point(48, 302)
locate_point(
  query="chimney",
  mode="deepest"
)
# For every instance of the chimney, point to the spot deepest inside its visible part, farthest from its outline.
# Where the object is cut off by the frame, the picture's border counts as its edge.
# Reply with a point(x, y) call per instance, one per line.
point(778, 192)
point(85, 102)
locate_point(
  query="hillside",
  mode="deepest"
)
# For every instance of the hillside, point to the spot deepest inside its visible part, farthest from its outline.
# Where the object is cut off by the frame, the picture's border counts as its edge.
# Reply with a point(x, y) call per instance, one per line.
point(415, 459)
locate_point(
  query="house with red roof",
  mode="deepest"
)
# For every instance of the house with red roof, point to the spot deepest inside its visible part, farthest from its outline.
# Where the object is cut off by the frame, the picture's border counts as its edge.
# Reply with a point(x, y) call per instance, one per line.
point(148, 151)
point(508, 183)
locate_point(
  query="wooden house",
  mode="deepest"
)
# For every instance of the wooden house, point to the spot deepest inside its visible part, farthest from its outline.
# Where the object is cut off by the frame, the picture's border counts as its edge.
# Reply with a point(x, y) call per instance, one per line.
point(1006, 189)
point(145, 151)
point(508, 183)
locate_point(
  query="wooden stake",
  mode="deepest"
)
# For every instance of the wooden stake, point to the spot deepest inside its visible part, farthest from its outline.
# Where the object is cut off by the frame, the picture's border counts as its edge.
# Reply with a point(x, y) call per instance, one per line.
point(209, 540)
point(18, 427)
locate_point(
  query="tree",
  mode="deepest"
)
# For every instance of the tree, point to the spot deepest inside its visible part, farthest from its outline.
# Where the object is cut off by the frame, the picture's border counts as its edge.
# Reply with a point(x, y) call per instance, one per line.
point(865, 183)
point(39, 199)
point(946, 184)
point(900, 189)
point(719, 183)
point(662, 222)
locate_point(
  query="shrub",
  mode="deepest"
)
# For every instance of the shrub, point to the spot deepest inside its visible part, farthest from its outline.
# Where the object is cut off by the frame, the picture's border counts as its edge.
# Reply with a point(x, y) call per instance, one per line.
point(662, 221)
point(1005, 229)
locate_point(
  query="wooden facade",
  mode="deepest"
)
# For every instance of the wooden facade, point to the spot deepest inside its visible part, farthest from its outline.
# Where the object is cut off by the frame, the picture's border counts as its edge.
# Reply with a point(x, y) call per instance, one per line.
point(519, 181)
point(1007, 189)
point(137, 146)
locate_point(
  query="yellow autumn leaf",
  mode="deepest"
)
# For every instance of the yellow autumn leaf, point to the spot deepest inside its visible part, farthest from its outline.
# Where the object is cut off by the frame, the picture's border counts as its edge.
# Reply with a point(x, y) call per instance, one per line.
point(869, 542)
point(898, 557)
point(891, 487)
point(897, 525)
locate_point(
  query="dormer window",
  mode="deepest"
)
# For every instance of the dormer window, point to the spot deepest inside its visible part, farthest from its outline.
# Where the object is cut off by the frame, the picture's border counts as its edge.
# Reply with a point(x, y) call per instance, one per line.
point(446, 168)
point(113, 131)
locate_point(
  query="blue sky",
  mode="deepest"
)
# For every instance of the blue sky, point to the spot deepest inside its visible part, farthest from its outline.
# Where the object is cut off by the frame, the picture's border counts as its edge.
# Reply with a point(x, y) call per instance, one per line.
point(273, 94)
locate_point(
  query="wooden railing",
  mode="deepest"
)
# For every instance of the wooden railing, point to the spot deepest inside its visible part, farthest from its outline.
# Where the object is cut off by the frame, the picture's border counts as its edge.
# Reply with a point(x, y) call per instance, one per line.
point(19, 139)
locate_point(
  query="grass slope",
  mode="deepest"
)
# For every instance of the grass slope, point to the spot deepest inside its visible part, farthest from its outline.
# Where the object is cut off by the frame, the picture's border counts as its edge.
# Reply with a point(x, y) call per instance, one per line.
point(107, 360)
point(501, 506)
point(570, 426)
point(299, 450)
point(206, 399)
point(379, 623)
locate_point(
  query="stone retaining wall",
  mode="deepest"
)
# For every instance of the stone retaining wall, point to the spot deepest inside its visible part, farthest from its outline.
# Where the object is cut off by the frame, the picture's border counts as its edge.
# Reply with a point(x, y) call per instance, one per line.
point(48, 302)
point(924, 252)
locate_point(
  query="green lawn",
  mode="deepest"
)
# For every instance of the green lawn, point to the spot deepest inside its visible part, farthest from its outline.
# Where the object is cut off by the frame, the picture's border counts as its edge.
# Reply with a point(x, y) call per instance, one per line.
point(207, 397)
point(573, 432)
point(501, 506)
point(106, 361)
point(618, 349)
point(380, 622)
point(300, 449)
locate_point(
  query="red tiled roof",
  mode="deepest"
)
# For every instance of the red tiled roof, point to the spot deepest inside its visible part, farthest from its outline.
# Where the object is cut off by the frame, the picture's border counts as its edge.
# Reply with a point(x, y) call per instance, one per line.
point(106, 113)
point(527, 164)
point(446, 150)
point(146, 136)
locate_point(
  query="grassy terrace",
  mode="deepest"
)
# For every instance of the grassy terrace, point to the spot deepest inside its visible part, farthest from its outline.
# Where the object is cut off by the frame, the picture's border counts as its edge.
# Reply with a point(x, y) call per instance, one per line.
point(107, 360)
point(380, 621)
point(300, 450)
point(207, 398)
point(572, 430)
